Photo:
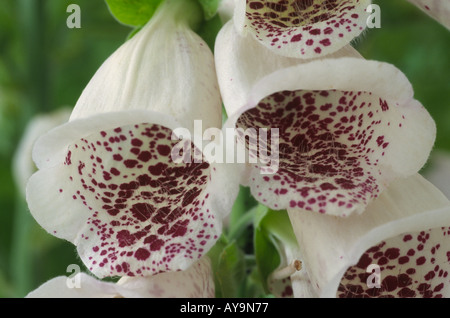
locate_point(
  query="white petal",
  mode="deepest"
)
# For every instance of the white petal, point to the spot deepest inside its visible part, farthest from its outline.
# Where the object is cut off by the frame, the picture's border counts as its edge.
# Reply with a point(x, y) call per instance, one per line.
point(302, 29)
point(226, 10)
point(330, 245)
point(79, 286)
point(165, 68)
point(194, 282)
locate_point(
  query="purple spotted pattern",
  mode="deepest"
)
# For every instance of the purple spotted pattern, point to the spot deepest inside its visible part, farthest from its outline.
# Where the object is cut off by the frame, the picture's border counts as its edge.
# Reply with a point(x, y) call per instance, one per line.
point(281, 288)
point(411, 265)
point(330, 144)
point(307, 27)
point(147, 212)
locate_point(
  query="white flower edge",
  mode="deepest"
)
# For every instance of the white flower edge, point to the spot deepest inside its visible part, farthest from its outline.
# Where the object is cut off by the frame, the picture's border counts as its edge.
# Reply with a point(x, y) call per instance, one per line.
point(195, 282)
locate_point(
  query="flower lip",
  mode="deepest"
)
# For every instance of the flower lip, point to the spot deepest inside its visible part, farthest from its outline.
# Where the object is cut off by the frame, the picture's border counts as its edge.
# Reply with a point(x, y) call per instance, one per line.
point(194, 282)
point(412, 264)
point(302, 29)
point(343, 241)
point(132, 210)
point(49, 150)
point(355, 127)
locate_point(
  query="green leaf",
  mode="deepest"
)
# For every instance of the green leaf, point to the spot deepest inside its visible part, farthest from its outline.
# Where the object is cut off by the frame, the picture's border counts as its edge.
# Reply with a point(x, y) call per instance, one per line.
point(209, 7)
point(266, 255)
point(133, 12)
point(278, 225)
point(228, 263)
point(231, 267)
point(272, 229)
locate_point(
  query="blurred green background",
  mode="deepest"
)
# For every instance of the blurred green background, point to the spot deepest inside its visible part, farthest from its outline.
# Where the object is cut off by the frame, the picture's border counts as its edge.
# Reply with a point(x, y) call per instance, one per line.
point(44, 66)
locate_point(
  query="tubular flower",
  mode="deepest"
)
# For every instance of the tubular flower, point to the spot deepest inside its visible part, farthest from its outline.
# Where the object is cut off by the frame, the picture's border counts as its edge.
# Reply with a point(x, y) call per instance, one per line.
point(111, 180)
point(398, 248)
point(301, 28)
point(195, 282)
point(437, 9)
point(347, 127)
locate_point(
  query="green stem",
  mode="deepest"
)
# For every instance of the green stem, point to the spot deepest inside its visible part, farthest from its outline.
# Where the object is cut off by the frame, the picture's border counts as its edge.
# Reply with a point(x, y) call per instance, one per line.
point(32, 13)
point(21, 252)
point(241, 225)
point(180, 11)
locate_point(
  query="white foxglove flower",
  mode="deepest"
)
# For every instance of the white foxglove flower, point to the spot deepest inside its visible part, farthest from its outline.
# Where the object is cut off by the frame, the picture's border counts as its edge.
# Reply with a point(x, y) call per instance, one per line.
point(347, 126)
point(437, 9)
point(399, 247)
point(107, 180)
point(194, 282)
point(301, 29)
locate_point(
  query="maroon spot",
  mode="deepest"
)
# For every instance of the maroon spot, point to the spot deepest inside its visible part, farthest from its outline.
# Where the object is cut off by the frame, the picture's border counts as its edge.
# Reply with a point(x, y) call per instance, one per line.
point(163, 150)
point(256, 5)
point(392, 253)
point(178, 229)
point(136, 142)
point(113, 212)
point(144, 156)
point(142, 254)
point(296, 38)
point(144, 180)
point(157, 169)
point(390, 283)
point(327, 186)
point(125, 267)
point(114, 171)
point(68, 160)
point(403, 260)
point(80, 168)
point(406, 293)
point(364, 261)
point(421, 260)
point(142, 211)
point(130, 163)
point(125, 238)
point(325, 42)
point(117, 157)
point(155, 243)
point(190, 196)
